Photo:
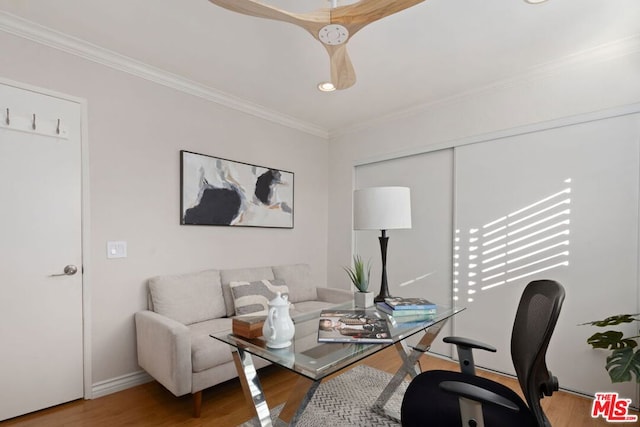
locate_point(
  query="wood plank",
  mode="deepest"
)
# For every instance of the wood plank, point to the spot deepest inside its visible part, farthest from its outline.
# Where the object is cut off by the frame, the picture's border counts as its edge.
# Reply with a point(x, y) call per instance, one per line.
point(224, 405)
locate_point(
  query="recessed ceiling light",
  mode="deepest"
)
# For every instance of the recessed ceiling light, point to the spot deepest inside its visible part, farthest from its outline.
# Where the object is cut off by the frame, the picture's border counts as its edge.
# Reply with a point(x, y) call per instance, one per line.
point(535, 1)
point(326, 87)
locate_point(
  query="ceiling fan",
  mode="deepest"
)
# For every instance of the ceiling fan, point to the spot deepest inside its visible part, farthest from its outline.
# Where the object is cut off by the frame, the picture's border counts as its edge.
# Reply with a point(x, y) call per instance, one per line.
point(333, 27)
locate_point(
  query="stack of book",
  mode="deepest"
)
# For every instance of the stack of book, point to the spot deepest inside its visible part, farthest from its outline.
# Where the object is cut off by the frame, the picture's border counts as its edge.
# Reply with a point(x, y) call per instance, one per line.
point(408, 309)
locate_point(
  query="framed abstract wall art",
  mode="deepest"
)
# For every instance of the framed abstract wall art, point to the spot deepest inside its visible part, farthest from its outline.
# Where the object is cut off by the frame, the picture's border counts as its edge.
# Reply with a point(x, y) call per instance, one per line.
point(216, 191)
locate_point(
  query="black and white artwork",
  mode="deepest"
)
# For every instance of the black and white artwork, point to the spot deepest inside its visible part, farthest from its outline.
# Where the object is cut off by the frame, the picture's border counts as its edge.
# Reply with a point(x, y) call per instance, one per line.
point(217, 191)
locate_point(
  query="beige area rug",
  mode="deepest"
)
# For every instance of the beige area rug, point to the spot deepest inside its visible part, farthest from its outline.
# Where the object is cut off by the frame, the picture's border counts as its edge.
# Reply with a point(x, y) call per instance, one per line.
point(346, 401)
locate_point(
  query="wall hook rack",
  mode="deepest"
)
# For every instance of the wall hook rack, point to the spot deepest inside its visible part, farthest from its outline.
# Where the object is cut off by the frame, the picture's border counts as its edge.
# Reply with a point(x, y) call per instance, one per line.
point(31, 123)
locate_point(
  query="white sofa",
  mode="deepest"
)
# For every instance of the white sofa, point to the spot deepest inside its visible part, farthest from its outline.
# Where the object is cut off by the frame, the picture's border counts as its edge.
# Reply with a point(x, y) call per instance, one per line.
point(173, 340)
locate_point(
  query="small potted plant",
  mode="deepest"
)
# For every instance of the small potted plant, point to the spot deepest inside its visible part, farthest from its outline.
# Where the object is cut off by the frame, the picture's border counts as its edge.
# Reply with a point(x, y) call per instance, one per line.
point(359, 276)
point(624, 361)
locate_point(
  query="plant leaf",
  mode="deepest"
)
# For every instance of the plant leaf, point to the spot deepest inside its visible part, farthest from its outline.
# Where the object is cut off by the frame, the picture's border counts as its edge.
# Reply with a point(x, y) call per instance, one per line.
point(358, 276)
point(614, 320)
point(622, 363)
point(611, 340)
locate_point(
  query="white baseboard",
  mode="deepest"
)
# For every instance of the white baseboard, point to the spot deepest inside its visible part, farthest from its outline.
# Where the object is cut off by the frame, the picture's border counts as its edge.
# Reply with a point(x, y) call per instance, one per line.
point(120, 383)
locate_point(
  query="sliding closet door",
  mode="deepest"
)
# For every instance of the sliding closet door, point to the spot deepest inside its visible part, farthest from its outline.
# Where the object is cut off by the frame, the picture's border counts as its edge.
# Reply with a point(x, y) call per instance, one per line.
point(419, 259)
point(557, 204)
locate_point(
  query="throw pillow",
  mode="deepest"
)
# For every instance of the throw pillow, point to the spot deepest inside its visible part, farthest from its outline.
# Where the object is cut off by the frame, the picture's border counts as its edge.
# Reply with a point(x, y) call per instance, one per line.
point(254, 297)
point(241, 275)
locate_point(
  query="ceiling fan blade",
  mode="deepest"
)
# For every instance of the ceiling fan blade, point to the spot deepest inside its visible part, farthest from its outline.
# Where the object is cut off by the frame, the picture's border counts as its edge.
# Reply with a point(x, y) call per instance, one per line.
point(343, 75)
point(357, 15)
point(312, 22)
point(353, 17)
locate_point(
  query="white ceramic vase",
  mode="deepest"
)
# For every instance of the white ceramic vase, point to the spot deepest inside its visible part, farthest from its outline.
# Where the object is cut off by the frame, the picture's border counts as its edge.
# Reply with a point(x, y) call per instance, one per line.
point(278, 329)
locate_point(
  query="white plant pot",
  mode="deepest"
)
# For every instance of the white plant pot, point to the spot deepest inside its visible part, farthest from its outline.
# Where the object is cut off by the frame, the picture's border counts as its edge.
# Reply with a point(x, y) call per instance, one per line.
point(363, 299)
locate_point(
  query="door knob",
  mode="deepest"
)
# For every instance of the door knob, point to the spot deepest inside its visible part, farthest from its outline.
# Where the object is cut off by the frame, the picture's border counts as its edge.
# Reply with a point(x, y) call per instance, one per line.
point(69, 270)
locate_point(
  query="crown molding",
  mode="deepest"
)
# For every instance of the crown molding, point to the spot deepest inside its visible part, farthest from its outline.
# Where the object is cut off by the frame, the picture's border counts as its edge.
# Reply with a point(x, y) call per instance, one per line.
point(17, 26)
point(609, 51)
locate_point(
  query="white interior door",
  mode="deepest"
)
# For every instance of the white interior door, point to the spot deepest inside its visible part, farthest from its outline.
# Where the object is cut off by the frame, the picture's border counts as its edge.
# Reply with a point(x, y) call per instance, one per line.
point(41, 356)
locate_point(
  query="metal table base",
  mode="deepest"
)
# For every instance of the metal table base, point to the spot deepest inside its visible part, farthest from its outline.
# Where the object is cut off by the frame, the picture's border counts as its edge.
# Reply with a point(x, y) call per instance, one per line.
point(305, 388)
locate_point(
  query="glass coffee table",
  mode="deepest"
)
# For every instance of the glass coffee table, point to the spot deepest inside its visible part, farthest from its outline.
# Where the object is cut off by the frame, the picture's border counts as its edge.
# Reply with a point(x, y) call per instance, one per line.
point(313, 361)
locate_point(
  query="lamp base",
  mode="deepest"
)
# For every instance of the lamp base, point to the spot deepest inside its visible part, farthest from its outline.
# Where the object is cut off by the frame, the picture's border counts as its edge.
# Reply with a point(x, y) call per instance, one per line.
point(384, 288)
point(381, 297)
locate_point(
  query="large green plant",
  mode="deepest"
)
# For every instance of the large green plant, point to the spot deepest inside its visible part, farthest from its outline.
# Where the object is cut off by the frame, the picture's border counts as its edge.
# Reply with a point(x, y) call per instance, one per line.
point(359, 274)
point(624, 361)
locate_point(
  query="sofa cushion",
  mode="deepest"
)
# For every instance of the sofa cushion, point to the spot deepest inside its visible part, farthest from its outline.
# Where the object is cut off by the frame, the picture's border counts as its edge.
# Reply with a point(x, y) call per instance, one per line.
point(254, 297)
point(207, 352)
point(241, 275)
point(188, 298)
point(298, 279)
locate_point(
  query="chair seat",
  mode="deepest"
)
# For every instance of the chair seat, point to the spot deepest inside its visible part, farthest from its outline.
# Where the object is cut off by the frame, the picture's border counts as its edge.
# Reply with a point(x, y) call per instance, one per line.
point(424, 396)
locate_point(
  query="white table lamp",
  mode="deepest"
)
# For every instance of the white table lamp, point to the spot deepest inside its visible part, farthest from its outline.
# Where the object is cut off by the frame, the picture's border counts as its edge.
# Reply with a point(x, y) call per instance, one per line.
point(382, 208)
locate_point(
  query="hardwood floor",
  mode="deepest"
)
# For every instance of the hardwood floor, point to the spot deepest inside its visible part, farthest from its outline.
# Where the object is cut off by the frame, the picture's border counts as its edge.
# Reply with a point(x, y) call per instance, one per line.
point(224, 406)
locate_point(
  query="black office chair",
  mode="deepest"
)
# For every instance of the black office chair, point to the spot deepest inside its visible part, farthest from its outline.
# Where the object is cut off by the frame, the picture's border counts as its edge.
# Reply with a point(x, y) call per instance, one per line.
point(448, 398)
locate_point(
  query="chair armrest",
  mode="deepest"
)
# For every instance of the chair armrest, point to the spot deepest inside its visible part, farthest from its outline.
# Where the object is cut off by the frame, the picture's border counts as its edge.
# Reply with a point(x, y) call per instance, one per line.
point(164, 350)
point(465, 348)
point(334, 295)
point(469, 343)
point(477, 394)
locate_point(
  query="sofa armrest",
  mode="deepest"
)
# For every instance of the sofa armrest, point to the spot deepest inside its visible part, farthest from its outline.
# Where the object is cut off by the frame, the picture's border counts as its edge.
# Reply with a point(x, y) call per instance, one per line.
point(164, 350)
point(334, 295)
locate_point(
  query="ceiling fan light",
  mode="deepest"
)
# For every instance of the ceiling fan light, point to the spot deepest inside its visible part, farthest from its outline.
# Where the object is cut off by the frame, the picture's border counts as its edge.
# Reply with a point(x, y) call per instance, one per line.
point(326, 87)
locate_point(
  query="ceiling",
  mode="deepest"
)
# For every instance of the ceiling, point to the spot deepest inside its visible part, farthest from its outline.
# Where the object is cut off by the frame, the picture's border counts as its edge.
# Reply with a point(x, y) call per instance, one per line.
point(434, 51)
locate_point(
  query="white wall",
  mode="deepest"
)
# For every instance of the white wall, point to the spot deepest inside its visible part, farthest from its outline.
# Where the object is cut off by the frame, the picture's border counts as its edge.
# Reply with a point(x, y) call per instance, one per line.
point(574, 89)
point(136, 129)
point(570, 192)
point(484, 115)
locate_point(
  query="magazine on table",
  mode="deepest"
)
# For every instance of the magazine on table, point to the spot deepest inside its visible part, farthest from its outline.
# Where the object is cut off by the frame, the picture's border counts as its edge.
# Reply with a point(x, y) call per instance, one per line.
point(406, 322)
point(400, 303)
point(411, 319)
point(355, 326)
point(382, 306)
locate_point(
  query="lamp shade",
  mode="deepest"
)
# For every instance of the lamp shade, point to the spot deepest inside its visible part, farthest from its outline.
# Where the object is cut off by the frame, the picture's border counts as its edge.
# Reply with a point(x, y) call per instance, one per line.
point(381, 208)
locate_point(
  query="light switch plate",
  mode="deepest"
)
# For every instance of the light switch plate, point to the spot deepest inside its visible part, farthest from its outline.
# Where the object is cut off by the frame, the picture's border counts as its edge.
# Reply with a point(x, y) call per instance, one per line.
point(116, 249)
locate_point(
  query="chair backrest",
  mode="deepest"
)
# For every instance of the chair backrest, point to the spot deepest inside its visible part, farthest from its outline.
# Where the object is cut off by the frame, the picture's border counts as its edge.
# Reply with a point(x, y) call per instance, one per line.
point(533, 326)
